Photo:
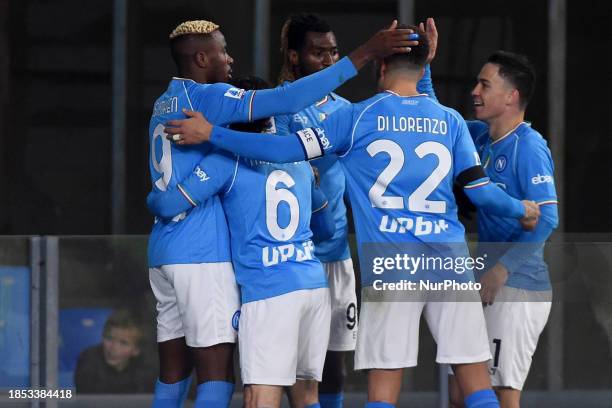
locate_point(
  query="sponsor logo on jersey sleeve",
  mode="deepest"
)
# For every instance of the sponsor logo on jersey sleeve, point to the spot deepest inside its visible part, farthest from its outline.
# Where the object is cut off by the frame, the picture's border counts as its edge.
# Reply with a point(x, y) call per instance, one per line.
point(539, 179)
point(235, 93)
point(323, 138)
point(303, 119)
point(201, 174)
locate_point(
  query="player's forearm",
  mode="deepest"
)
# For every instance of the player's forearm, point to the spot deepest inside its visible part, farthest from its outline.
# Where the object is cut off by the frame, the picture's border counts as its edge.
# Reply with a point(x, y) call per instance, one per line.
point(425, 84)
point(493, 200)
point(258, 146)
point(527, 244)
point(322, 225)
point(167, 204)
point(302, 93)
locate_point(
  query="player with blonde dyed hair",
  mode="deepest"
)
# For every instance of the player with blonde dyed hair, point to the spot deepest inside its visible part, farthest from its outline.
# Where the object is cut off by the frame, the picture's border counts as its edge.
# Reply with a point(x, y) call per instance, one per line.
point(190, 267)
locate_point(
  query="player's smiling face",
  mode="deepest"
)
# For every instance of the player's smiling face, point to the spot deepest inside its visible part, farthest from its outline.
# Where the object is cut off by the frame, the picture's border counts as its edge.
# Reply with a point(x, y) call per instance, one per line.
point(492, 94)
point(219, 61)
point(319, 52)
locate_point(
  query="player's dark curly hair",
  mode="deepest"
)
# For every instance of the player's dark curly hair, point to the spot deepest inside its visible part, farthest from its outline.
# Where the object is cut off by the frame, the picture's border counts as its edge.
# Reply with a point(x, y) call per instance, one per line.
point(516, 69)
point(415, 58)
point(293, 35)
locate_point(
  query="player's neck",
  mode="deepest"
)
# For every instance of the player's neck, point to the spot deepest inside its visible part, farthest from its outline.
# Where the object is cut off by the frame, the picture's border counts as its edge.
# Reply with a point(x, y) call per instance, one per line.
point(500, 127)
point(196, 76)
point(401, 87)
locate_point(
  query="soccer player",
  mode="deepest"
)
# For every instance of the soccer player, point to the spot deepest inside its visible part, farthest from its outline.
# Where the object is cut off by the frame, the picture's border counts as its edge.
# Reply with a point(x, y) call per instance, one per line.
point(515, 157)
point(189, 255)
point(516, 288)
point(308, 45)
point(285, 316)
point(402, 151)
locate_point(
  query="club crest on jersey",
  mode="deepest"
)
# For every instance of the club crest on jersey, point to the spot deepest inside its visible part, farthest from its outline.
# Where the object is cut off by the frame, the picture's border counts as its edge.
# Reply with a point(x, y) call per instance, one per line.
point(236, 320)
point(500, 163)
point(235, 93)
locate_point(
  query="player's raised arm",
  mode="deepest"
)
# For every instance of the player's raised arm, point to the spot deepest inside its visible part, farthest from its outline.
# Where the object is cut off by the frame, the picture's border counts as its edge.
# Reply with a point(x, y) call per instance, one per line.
point(210, 177)
point(425, 84)
point(237, 105)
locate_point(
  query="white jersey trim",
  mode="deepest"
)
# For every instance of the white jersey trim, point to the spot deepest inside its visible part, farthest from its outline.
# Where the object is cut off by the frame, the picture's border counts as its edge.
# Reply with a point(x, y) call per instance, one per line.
point(187, 95)
point(234, 177)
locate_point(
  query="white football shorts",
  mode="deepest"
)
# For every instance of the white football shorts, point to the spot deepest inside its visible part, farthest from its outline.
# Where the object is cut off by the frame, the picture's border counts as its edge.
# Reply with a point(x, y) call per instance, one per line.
point(197, 301)
point(284, 338)
point(344, 320)
point(514, 327)
point(389, 332)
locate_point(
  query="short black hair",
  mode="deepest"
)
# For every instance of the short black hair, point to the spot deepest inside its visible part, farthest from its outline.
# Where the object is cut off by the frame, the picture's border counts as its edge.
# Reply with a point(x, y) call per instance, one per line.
point(250, 82)
point(299, 25)
point(414, 59)
point(516, 69)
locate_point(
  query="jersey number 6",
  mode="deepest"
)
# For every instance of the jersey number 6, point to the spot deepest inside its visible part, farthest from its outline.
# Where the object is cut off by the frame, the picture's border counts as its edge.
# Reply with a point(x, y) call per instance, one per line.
point(274, 196)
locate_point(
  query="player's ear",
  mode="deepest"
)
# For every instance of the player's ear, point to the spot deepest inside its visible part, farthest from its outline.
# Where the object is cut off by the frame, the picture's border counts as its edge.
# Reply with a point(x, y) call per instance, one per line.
point(201, 59)
point(382, 67)
point(514, 97)
point(294, 57)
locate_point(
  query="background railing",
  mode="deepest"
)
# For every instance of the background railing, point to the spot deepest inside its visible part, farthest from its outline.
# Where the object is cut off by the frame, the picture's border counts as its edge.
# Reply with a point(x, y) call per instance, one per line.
point(57, 292)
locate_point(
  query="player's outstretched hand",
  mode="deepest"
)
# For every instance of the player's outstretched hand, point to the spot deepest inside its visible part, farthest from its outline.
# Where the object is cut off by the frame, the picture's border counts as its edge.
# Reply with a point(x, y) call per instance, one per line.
point(430, 30)
point(532, 215)
point(492, 281)
point(193, 130)
point(389, 41)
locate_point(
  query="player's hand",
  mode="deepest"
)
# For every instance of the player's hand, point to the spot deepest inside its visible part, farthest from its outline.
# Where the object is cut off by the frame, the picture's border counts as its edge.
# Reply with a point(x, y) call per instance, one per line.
point(193, 130)
point(382, 44)
point(430, 30)
point(532, 215)
point(492, 281)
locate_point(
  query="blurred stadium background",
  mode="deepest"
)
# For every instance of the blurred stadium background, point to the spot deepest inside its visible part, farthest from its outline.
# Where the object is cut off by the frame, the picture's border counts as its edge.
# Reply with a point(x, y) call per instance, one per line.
point(77, 83)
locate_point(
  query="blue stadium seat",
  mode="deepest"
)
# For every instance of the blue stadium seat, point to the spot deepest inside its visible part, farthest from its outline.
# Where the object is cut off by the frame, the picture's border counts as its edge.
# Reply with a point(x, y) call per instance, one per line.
point(14, 327)
point(79, 328)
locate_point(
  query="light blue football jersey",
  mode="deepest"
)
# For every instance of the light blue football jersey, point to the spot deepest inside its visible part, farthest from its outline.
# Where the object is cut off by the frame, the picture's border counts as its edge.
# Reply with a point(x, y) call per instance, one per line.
point(521, 164)
point(268, 208)
point(200, 235)
point(333, 182)
point(401, 156)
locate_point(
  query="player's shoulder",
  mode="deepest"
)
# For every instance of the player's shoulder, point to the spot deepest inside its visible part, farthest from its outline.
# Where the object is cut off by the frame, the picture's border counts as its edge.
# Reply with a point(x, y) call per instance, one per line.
point(479, 131)
point(450, 112)
point(340, 99)
point(370, 103)
point(529, 137)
